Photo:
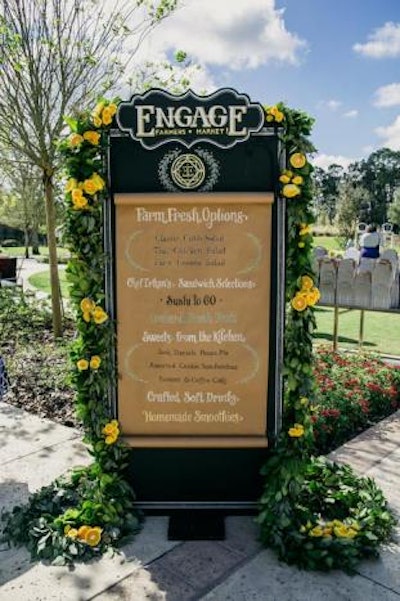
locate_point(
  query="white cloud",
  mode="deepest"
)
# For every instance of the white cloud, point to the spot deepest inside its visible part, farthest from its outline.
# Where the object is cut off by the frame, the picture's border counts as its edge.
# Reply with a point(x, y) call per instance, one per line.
point(331, 104)
point(351, 114)
point(325, 160)
point(388, 95)
point(233, 33)
point(368, 149)
point(384, 42)
point(390, 134)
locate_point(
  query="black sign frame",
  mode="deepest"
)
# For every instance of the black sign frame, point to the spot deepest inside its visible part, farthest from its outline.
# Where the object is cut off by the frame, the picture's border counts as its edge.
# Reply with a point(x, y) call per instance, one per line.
point(217, 478)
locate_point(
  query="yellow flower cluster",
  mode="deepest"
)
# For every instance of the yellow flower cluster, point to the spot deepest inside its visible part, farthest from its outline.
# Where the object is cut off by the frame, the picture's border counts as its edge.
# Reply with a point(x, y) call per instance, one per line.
point(84, 364)
point(296, 431)
point(330, 529)
point(92, 311)
point(305, 229)
point(111, 432)
point(93, 137)
point(91, 535)
point(90, 186)
point(307, 296)
point(292, 181)
point(274, 114)
point(103, 114)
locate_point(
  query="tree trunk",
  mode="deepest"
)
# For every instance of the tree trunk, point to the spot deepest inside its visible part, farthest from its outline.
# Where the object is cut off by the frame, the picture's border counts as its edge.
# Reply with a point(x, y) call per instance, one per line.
point(52, 245)
point(35, 241)
point(26, 240)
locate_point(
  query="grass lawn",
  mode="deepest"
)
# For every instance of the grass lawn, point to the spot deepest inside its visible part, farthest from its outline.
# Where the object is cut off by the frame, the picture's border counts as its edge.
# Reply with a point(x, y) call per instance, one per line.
point(19, 251)
point(331, 243)
point(41, 281)
point(381, 330)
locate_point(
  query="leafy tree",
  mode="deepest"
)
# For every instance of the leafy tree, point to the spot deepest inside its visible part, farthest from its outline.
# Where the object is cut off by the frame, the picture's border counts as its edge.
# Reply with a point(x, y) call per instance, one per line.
point(22, 204)
point(380, 175)
point(394, 209)
point(351, 199)
point(55, 55)
point(327, 190)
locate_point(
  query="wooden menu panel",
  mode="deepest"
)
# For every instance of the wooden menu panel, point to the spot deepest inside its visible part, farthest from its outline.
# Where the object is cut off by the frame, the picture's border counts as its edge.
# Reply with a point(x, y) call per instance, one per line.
point(193, 294)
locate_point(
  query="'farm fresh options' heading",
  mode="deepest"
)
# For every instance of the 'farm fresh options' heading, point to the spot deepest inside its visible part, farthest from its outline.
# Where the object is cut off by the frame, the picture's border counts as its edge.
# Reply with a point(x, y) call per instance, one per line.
point(223, 118)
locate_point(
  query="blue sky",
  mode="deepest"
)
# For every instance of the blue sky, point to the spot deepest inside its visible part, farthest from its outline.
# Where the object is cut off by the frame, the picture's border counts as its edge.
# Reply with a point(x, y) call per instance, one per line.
point(338, 60)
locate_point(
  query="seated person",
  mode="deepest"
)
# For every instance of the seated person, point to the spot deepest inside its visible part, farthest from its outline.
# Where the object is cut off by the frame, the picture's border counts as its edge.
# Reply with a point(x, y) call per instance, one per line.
point(369, 243)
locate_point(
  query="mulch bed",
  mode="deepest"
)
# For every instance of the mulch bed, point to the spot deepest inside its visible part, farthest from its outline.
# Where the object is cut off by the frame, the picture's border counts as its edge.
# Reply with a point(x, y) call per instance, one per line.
point(38, 372)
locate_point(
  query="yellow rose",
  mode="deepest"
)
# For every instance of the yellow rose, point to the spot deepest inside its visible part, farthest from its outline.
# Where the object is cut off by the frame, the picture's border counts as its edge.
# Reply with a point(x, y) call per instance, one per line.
point(92, 136)
point(299, 302)
point(313, 297)
point(327, 532)
point(316, 531)
point(98, 108)
point(89, 187)
point(98, 181)
point(93, 536)
point(75, 140)
point(99, 315)
point(86, 316)
point(111, 438)
point(297, 431)
point(80, 203)
point(82, 532)
point(82, 364)
point(307, 283)
point(291, 190)
point(277, 114)
point(304, 401)
point(112, 108)
point(298, 160)
point(95, 362)
point(97, 122)
point(305, 229)
point(76, 194)
point(351, 533)
point(107, 116)
point(298, 180)
point(71, 184)
point(110, 428)
point(72, 533)
point(87, 304)
point(284, 179)
point(341, 531)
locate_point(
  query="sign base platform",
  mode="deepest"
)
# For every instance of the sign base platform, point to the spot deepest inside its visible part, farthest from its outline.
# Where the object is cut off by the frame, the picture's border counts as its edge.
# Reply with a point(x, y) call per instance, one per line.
point(196, 525)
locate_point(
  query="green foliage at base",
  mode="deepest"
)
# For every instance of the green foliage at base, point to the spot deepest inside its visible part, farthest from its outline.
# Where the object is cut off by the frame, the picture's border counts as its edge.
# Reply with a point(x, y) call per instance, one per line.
point(315, 514)
point(92, 511)
point(321, 516)
point(60, 522)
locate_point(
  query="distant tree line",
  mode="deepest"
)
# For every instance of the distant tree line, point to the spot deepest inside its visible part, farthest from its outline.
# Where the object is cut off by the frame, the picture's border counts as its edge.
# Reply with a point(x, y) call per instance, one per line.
point(368, 191)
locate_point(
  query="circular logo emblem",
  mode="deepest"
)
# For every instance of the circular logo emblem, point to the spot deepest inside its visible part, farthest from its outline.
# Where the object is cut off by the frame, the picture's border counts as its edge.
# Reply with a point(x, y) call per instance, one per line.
point(188, 171)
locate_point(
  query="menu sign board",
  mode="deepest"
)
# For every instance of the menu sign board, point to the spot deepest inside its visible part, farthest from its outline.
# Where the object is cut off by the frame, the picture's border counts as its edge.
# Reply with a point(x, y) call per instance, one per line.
point(193, 306)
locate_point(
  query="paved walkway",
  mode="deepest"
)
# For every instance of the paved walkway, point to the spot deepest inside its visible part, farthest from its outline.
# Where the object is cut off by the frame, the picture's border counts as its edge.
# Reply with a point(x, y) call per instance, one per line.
point(34, 451)
point(28, 267)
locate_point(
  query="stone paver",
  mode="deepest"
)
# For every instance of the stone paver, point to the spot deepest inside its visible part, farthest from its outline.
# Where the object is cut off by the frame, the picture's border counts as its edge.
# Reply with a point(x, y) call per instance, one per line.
point(22, 433)
point(151, 568)
point(264, 578)
point(24, 581)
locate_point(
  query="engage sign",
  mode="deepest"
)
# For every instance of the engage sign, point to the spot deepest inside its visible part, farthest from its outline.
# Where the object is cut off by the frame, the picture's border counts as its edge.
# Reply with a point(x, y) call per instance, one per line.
point(223, 118)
